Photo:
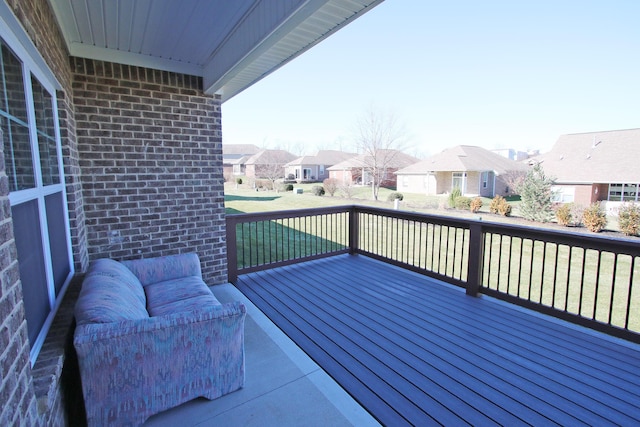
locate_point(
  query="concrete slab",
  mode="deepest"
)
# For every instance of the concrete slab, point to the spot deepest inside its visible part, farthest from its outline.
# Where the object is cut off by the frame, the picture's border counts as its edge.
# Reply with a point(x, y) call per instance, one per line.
point(283, 386)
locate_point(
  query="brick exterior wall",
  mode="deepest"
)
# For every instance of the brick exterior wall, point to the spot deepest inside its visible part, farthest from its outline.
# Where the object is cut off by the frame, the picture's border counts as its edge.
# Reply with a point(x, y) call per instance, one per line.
point(150, 145)
point(35, 397)
point(16, 387)
point(142, 159)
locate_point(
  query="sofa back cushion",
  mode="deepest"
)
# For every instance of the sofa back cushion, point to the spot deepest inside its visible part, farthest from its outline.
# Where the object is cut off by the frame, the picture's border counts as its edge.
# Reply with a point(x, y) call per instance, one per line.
point(110, 293)
point(160, 269)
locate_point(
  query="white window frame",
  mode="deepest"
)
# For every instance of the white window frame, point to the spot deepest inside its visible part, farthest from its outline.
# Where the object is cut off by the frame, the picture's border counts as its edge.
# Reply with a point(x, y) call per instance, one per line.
point(462, 176)
point(623, 188)
point(33, 64)
point(563, 194)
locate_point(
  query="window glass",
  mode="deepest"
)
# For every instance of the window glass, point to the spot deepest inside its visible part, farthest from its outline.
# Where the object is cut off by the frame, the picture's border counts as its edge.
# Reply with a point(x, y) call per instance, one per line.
point(630, 192)
point(14, 123)
point(459, 181)
point(13, 96)
point(57, 239)
point(615, 192)
point(27, 230)
point(43, 108)
point(32, 160)
point(624, 192)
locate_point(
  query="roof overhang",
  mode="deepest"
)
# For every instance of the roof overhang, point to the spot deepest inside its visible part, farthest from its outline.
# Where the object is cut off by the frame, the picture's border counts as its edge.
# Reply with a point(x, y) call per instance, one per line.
point(230, 44)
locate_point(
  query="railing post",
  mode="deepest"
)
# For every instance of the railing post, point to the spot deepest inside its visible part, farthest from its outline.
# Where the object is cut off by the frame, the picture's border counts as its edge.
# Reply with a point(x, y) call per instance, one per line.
point(353, 230)
point(476, 249)
point(232, 251)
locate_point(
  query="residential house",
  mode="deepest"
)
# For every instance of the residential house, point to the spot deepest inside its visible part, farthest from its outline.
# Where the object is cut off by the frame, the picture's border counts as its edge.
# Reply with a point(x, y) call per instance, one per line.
point(268, 164)
point(474, 170)
point(360, 170)
point(595, 166)
point(235, 156)
point(110, 117)
point(315, 168)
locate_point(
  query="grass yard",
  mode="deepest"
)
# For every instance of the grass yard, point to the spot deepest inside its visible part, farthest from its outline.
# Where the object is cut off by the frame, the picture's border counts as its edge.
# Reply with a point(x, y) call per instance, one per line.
point(243, 198)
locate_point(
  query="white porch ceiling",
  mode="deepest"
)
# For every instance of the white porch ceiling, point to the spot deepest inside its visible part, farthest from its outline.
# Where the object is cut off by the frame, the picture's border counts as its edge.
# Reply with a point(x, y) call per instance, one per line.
point(230, 43)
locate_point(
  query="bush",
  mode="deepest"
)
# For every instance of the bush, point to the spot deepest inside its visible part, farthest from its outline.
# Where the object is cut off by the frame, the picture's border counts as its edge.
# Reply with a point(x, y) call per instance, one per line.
point(455, 193)
point(288, 187)
point(330, 186)
point(263, 184)
point(594, 217)
point(394, 195)
point(347, 190)
point(629, 219)
point(239, 181)
point(563, 214)
point(317, 190)
point(462, 203)
point(475, 205)
point(500, 206)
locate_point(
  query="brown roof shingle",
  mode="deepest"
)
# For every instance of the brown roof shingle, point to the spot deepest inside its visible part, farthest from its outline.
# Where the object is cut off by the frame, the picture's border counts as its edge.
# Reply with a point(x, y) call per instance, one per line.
point(464, 158)
point(595, 157)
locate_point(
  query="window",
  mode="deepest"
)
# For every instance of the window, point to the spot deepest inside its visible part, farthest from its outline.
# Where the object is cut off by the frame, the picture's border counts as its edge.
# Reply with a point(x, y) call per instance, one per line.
point(560, 194)
point(485, 179)
point(33, 162)
point(460, 181)
point(623, 192)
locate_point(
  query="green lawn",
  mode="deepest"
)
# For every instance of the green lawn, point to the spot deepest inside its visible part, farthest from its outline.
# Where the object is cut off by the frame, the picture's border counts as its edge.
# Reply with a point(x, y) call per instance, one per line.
point(245, 199)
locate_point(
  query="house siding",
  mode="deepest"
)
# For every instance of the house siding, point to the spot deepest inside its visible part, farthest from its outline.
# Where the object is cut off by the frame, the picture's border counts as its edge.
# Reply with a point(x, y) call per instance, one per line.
point(502, 187)
point(440, 183)
point(344, 176)
point(142, 158)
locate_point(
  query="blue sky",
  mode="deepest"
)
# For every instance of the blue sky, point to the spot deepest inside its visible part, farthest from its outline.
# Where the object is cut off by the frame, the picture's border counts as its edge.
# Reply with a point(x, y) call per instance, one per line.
point(498, 74)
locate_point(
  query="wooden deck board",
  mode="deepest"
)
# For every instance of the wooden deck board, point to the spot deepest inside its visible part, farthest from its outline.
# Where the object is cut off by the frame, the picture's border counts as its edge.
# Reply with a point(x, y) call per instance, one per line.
point(413, 350)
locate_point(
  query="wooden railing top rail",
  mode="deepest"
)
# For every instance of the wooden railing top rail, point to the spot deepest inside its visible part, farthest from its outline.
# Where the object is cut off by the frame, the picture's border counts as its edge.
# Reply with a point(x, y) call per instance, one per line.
point(289, 213)
point(628, 246)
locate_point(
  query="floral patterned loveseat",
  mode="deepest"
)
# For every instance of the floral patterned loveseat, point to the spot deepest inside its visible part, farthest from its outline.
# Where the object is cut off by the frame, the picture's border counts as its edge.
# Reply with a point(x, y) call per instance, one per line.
point(151, 335)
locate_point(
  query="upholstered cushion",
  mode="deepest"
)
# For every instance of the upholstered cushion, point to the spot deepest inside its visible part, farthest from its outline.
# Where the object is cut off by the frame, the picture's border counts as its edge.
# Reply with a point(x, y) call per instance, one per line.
point(110, 293)
point(160, 269)
point(178, 295)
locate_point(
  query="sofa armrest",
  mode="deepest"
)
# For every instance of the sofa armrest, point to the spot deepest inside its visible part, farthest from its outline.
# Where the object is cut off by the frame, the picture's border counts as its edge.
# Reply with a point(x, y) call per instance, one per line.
point(135, 368)
point(94, 333)
point(160, 269)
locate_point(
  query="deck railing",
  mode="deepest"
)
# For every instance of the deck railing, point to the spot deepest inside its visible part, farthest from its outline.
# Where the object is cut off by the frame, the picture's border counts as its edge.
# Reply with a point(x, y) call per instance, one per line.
point(587, 279)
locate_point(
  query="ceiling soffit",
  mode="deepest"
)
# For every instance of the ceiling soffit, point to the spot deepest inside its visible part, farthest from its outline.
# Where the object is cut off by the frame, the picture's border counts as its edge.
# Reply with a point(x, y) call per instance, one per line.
point(231, 44)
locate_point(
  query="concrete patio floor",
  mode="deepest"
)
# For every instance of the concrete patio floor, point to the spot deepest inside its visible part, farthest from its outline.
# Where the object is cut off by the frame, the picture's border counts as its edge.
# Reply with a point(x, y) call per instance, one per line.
point(283, 386)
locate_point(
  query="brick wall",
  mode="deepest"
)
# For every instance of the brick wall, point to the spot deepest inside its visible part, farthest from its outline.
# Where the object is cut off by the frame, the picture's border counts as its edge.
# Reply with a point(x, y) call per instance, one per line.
point(34, 397)
point(16, 388)
point(151, 160)
point(150, 145)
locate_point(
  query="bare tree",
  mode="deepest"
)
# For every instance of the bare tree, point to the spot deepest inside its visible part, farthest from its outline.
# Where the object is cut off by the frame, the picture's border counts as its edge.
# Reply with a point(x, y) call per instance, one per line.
point(380, 139)
point(271, 166)
point(514, 179)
